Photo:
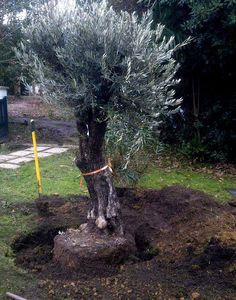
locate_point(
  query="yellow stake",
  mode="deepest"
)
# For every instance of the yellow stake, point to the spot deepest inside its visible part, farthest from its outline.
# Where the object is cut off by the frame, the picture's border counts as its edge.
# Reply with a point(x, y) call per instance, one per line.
point(38, 176)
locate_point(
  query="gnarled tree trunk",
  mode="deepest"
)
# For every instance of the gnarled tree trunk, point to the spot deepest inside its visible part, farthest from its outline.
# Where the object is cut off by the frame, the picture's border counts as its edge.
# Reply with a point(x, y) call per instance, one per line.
point(105, 207)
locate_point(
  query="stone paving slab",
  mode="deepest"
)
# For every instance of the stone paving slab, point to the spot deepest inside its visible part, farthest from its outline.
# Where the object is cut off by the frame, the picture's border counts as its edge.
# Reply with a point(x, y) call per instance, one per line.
point(20, 160)
point(56, 150)
point(5, 157)
point(52, 145)
point(8, 166)
point(21, 153)
point(41, 155)
point(39, 148)
point(15, 159)
point(44, 154)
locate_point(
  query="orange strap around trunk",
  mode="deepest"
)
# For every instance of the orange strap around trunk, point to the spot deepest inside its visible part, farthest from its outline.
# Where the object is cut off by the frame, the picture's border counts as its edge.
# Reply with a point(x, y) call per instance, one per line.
point(96, 171)
point(109, 165)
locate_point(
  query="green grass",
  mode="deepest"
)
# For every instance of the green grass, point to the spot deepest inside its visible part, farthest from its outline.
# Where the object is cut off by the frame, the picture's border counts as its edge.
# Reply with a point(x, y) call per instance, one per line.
point(12, 223)
point(215, 186)
point(12, 278)
point(60, 175)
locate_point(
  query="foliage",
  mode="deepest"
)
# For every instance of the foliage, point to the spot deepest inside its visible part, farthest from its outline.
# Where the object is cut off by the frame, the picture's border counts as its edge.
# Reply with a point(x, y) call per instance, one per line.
point(98, 61)
point(212, 139)
point(13, 17)
point(211, 23)
point(129, 6)
point(125, 139)
point(208, 70)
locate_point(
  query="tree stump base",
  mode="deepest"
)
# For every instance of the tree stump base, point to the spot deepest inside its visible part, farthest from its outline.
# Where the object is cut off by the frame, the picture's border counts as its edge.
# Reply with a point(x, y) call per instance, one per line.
point(83, 250)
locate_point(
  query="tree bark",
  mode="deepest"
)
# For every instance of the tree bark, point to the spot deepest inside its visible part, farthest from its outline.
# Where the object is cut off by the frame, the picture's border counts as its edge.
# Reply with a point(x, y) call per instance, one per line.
point(104, 212)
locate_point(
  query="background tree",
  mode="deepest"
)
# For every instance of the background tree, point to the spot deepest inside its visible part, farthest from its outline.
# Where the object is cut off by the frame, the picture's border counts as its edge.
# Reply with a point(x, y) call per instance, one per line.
point(208, 74)
point(103, 65)
point(13, 17)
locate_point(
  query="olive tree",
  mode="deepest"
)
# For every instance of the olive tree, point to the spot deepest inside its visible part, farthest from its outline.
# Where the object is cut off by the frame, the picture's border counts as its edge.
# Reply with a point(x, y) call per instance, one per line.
point(100, 64)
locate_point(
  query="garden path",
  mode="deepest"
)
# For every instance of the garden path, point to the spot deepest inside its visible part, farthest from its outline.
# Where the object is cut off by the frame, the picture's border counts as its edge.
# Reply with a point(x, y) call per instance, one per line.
point(15, 159)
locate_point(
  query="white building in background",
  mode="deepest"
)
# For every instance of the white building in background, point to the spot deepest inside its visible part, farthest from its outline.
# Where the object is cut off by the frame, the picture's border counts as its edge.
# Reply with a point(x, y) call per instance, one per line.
point(3, 91)
point(33, 90)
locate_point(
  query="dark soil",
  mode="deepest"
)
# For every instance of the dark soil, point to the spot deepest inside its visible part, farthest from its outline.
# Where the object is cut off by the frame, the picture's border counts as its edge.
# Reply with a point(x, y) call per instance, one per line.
point(48, 131)
point(33, 107)
point(51, 125)
point(186, 248)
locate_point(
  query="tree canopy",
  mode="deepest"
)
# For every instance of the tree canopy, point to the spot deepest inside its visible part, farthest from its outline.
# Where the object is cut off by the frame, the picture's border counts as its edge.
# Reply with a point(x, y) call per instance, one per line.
point(92, 58)
point(83, 48)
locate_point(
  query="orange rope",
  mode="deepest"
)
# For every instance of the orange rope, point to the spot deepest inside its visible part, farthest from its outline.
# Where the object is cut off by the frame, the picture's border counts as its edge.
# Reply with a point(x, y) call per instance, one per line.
point(109, 165)
point(96, 171)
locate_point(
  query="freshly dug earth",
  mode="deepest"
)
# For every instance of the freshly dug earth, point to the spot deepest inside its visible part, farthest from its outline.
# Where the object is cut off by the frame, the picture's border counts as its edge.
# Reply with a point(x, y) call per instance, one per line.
point(48, 131)
point(32, 107)
point(186, 248)
point(52, 126)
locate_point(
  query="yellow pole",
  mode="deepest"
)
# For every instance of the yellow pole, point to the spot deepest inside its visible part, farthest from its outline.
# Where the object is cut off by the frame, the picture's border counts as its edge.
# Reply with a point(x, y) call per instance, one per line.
point(37, 169)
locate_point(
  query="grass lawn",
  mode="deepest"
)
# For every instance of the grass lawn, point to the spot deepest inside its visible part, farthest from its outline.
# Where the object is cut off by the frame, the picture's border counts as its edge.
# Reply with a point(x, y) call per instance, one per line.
point(210, 184)
point(59, 175)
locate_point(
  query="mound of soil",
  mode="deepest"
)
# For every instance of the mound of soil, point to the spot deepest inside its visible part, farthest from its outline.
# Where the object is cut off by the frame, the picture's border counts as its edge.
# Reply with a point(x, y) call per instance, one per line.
point(186, 247)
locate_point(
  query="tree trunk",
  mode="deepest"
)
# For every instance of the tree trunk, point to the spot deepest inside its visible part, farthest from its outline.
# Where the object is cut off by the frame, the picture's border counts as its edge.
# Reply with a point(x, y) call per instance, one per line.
point(105, 207)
